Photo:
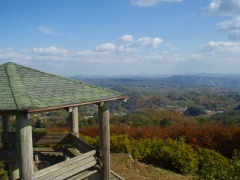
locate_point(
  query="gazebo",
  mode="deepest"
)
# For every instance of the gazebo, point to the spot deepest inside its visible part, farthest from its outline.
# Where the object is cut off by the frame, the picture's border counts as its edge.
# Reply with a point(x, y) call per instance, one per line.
point(24, 91)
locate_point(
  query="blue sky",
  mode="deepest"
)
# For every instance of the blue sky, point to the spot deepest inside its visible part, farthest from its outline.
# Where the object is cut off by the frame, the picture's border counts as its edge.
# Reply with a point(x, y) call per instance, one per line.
point(117, 37)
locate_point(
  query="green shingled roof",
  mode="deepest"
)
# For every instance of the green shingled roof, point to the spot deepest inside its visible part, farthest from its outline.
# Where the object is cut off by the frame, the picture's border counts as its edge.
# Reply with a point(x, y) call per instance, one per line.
point(23, 88)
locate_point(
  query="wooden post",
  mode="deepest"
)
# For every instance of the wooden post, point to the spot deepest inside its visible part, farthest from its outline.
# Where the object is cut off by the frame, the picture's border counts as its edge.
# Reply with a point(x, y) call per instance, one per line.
point(6, 123)
point(13, 166)
point(104, 139)
point(74, 121)
point(25, 149)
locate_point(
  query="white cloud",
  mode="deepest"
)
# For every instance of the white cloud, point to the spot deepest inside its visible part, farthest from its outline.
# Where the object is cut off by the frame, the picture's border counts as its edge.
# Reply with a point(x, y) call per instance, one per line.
point(8, 54)
point(127, 49)
point(12, 55)
point(106, 47)
point(52, 50)
point(145, 3)
point(147, 42)
point(130, 45)
point(223, 48)
point(126, 38)
point(90, 53)
point(166, 56)
point(232, 27)
point(124, 52)
point(157, 41)
point(224, 7)
point(47, 30)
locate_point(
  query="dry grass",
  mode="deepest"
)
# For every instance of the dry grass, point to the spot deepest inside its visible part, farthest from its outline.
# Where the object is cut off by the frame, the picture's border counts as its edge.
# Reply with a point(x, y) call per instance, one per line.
point(131, 169)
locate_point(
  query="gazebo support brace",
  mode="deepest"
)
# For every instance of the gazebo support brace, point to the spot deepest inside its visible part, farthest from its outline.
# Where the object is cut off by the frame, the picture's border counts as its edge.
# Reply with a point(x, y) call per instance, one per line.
point(25, 149)
point(104, 137)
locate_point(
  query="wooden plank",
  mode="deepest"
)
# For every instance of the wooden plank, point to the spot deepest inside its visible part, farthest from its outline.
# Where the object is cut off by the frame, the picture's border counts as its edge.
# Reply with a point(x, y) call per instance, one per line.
point(79, 144)
point(42, 149)
point(72, 152)
point(43, 138)
point(63, 164)
point(71, 170)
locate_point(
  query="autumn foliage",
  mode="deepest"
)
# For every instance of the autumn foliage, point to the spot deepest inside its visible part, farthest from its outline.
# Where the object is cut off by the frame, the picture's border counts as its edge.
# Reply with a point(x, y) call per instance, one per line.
point(221, 138)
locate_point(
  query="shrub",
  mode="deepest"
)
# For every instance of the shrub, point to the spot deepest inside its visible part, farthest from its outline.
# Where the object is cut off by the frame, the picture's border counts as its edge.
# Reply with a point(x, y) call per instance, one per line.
point(3, 173)
point(211, 163)
point(120, 143)
point(233, 169)
point(94, 141)
point(176, 155)
point(141, 149)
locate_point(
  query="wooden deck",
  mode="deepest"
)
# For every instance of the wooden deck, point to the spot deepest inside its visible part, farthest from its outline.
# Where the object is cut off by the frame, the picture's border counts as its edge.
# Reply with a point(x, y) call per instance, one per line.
point(81, 159)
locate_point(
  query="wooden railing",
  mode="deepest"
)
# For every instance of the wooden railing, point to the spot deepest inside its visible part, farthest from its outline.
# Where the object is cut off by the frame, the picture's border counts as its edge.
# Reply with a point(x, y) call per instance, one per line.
point(39, 138)
point(81, 164)
point(42, 139)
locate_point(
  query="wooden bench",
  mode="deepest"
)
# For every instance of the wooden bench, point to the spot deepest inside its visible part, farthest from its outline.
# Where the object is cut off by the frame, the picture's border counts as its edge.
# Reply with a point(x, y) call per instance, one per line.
point(69, 168)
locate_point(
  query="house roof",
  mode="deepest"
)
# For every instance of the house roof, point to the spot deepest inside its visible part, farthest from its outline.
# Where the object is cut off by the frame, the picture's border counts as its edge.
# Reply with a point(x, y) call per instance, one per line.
point(27, 89)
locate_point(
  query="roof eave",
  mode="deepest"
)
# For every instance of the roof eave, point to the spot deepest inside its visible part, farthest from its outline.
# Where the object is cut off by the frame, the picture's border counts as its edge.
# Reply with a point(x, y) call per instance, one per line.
point(74, 105)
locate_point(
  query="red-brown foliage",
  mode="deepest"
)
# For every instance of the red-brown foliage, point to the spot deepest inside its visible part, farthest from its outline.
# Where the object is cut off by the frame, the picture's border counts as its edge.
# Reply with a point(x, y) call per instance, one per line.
point(221, 138)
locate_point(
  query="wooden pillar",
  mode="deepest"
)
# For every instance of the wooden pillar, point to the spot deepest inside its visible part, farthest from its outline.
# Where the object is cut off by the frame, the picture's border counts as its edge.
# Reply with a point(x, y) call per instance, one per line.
point(6, 123)
point(104, 139)
point(74, 121)
point(13, 166)
point(25, 149)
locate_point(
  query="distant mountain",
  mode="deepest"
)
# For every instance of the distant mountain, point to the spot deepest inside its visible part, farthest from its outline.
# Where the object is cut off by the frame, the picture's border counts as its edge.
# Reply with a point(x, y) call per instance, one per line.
point(163, 83)
point(228, 81)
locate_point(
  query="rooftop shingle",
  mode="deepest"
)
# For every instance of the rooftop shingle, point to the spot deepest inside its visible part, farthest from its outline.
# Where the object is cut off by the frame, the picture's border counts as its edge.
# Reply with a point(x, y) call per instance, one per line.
point(23, 88)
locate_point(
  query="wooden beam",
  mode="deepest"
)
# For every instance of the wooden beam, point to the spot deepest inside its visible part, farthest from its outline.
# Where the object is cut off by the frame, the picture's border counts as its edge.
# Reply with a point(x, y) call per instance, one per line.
point(74, 121)
point(104, 139)
point(25, 149)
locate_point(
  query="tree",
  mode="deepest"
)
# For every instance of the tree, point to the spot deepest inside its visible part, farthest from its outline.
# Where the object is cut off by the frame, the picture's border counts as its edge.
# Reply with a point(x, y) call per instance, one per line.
point(165, 122)
point(194, 111)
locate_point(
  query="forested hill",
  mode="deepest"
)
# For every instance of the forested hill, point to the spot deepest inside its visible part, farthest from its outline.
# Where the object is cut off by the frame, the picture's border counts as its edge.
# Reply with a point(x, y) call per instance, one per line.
point(164, 84)
point(227, 81)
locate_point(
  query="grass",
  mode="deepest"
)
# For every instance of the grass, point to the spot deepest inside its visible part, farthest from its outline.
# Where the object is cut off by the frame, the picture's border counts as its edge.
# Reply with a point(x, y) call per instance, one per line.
point(132, 169)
